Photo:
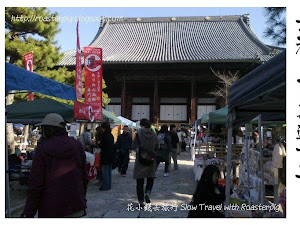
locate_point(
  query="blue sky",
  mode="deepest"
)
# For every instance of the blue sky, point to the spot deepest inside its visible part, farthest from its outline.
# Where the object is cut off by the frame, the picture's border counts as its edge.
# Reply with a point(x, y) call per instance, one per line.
point(66, 39)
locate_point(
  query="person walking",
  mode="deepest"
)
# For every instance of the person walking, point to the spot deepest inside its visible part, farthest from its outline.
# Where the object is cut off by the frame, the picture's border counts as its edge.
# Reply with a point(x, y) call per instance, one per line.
point(146, 141)
point(99, 133)
point(178, 131)
point(184, 139)
point(174, 142)
point(165, 148)
point(106, 145)
point(86, 140)
point(208, 194)
point(124, 143)
point(58, 180)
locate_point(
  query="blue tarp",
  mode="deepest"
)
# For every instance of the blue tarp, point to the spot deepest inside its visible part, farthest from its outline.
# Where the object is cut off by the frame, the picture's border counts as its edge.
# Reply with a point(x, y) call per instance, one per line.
point(17, 78)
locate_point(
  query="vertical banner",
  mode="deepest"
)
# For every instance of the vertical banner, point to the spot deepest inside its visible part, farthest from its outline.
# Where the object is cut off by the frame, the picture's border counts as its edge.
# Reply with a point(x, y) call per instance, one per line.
point(28, 63)
point(78, 73)
point(93, 76)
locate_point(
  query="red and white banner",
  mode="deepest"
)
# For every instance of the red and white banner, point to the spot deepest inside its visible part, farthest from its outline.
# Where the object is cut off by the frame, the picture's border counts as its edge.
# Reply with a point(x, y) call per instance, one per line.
point(83, 111)
point(93, 76)
point(28, 63)
point(78, 73)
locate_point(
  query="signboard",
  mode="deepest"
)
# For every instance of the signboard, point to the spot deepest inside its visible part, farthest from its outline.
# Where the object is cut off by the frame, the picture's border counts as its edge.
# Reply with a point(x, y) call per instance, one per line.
point(93, 76)
point(74, 130)
point(91, 113)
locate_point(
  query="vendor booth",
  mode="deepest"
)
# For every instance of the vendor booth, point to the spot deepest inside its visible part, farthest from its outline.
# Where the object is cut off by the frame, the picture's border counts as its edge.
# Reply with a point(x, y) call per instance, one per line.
point(257, 97)
point(20, 80)
point(212, 148)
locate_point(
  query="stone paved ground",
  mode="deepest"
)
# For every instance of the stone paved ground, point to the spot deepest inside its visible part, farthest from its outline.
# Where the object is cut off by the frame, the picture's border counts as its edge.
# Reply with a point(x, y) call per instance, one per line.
point(175, 190)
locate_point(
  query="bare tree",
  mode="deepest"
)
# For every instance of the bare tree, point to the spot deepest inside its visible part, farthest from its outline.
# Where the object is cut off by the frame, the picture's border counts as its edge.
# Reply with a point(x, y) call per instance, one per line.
point(226, 78)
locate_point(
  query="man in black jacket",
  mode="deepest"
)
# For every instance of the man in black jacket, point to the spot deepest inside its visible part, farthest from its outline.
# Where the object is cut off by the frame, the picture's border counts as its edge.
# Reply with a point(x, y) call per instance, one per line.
point(107, 146)
point(174, 141)
point(123, 145)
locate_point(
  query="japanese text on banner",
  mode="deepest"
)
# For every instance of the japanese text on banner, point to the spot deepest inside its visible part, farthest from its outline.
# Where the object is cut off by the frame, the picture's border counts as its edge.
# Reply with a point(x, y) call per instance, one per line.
point(93, 76)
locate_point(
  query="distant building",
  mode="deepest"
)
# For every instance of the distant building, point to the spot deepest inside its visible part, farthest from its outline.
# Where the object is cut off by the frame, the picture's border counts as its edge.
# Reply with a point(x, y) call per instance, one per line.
point(159, 68)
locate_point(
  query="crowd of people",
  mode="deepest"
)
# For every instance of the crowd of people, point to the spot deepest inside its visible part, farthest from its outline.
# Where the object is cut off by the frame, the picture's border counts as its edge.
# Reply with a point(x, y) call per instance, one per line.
point(58, 181)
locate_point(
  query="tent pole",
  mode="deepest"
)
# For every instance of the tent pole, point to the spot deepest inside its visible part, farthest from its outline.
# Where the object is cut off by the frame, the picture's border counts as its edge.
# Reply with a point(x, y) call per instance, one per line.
point(193, 152)
point(228, 168)
point(247, 161)
point(7, 195)
point(208, 131)
point(261, 160)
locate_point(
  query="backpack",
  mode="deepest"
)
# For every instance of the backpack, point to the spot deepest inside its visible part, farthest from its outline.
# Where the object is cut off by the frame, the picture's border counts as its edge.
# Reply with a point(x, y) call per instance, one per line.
point(161, 140)
point(145, 157)
point(163, 152)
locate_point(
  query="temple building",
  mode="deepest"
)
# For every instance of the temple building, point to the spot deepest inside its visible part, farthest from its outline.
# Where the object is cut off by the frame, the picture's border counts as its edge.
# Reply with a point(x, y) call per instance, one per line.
point(160, 68)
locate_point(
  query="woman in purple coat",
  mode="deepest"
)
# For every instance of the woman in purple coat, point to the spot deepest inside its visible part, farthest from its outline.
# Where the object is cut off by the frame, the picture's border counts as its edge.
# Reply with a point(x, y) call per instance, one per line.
point(58, 180)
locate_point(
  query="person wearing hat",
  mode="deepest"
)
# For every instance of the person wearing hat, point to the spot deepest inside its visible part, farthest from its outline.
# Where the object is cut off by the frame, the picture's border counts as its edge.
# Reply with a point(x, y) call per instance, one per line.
point(58, 180)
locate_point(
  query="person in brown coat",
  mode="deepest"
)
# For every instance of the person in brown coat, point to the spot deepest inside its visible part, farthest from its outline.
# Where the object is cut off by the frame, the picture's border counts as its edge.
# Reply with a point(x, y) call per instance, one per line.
point(58, 180)
point(148, 141)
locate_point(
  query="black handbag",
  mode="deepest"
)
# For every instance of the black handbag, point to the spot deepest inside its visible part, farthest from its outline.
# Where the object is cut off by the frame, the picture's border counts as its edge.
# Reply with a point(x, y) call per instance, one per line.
point(145, 157)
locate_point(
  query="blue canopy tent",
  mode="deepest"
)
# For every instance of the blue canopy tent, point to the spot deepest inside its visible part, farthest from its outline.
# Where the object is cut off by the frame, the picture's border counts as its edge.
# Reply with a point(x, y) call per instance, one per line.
point(18, 79)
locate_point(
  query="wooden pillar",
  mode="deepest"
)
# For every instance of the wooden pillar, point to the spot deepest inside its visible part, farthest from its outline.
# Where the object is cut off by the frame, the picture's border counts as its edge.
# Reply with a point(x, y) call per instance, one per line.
point(193, 101)
point(123, 98)
point(155, 103)
point(129, 107)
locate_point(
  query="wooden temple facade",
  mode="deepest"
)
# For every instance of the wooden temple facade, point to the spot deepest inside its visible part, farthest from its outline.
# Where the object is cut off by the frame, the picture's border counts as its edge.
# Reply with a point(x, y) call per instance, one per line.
point(160, 68)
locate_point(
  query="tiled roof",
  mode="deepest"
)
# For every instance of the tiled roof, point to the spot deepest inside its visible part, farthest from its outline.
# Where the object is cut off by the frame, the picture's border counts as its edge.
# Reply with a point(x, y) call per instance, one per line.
point(181, 39)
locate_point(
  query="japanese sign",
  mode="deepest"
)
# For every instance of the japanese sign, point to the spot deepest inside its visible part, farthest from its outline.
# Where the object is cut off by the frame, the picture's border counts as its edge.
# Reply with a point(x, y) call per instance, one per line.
point(28, 63)
point(93, 76)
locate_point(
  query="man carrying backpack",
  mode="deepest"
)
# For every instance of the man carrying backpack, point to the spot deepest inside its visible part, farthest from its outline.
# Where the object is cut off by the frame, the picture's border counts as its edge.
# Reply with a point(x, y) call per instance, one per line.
point(146, 144)
point(165, 148)
point(123, 144)
point(174, 142)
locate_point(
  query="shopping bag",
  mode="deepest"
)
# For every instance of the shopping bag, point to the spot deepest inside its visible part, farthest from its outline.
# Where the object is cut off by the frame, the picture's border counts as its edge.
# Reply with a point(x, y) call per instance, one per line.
point(97, 164)
point(91, 171)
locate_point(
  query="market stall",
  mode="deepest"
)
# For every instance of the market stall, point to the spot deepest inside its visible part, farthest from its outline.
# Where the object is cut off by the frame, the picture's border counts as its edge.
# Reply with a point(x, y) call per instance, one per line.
point(20, 80)
point(210, 150)
point(260, 95)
